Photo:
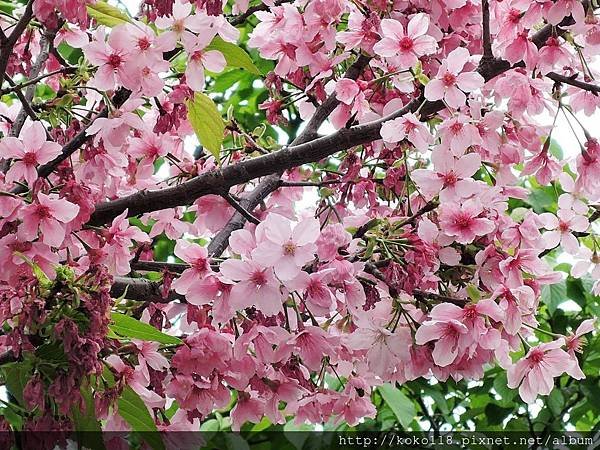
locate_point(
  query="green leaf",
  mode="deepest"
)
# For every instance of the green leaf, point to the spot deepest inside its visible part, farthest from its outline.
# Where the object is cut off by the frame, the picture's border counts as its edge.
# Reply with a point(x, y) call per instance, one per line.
point(234, 55)
point(553, 295)
point(495, 414)
point(297, 434)
point(16, 376)
point(401, 405)
point(106, 14)
point(133, 410)
point(556, 401)
point(85, 422)
point(131, 328)
point(207, 123)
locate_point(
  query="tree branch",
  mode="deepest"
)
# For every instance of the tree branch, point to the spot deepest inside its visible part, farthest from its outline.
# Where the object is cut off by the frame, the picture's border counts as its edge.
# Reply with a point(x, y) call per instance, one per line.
point(241, 18)
point(486, 35)
point(142, 289)
point(249, 202)
point(573, 82)
point(6, 48)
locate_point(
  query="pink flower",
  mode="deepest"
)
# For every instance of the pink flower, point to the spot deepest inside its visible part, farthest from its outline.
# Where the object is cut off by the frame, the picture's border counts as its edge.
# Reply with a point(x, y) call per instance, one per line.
point(450, 177)
point(458, 134)
point(319, 297)
point(346, 90)
point(407, 127)
point(406, 46)
point(247, 409)
point(332, 238)
point(29, 151)
point(48, 215)
point(256, 285)
point(451, 81)
point(113, 61)
point(119, 237)
point(563, 225)
point(575, 343)
point(200, 59)
point(168, 221)
point(534, 374)
point(463, 221)
point(552, 56)
point(428, 232)
point(386, 351)
point(522, 49)
point(448, 334)
point(197, 257)
point(149, 356)
point(285, 249)
point(562, 8)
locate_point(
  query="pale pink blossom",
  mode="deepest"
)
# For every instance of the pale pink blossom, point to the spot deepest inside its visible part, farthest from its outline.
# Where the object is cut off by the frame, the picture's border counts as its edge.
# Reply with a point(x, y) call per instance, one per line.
point(28, 152)
point(200, 59)
point(452, 82)
point(463, 221)
point(450, 177)
point(535, 373)
point(283, 248)
point(256, 285)
point(49, 215)
point(197, 257)
point(407, 127)
point(407, 46)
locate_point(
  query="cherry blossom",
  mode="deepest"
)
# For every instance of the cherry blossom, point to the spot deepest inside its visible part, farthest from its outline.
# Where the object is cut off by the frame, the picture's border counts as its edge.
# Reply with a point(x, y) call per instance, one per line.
point(452, 82)
point(405, 46)
point(29, 151)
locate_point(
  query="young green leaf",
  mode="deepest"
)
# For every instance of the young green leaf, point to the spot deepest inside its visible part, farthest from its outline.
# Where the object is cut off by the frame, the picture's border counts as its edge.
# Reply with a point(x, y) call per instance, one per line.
point(107, 15)
point(207, 123)
point(133, 410)
point(131, 328)
point(234, 55)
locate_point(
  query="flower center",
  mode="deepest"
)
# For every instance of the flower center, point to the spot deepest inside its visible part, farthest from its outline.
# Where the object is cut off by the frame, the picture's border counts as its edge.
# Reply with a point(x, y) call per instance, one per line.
point(450, 179)
point(43, 212)
point(536, 356)
point(259, 278)
point(406, 43)
point(449, 79)
point(115, 61)
point(289, 248)
point(143, 43)
point(30, 159)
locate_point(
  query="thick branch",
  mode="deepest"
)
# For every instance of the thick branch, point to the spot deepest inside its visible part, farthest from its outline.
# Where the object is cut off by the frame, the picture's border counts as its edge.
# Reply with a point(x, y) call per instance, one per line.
point(265, 187)
point(486, 35)
point(217, 181)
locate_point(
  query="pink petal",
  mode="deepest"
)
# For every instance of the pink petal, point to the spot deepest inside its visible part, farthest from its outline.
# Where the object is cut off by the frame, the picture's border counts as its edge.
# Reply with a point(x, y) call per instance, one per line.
point(214, 61)
point(418, 25)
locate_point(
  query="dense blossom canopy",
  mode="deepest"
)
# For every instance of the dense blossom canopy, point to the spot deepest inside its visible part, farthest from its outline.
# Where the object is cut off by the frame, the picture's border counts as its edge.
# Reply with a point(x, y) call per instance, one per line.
point(377, 198)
